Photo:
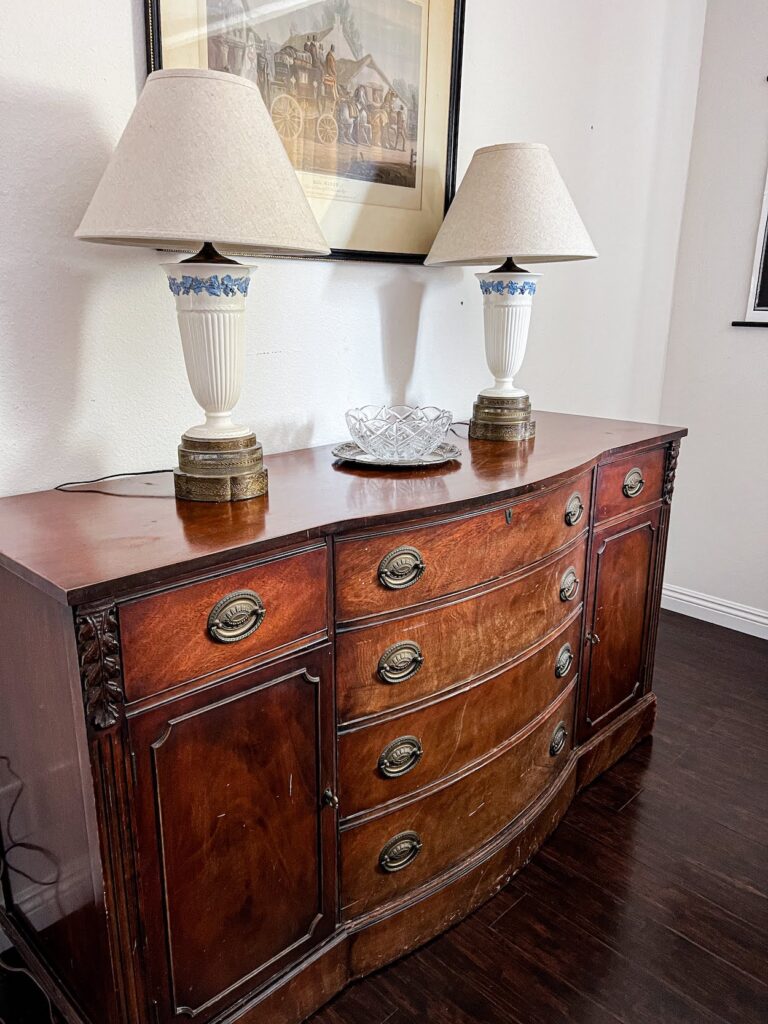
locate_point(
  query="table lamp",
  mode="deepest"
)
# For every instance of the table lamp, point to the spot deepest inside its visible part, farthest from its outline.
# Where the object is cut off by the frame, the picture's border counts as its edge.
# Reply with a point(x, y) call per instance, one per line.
point(512, 206)
point(201, 167)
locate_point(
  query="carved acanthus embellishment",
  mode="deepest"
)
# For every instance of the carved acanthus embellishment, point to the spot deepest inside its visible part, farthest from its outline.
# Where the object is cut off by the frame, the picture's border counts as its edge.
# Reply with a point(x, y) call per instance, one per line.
point(669, 473)
point(98, 647)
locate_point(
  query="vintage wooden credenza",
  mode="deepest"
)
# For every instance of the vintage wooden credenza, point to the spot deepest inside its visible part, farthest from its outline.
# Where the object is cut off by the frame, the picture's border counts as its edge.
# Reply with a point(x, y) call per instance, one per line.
point(253, 751)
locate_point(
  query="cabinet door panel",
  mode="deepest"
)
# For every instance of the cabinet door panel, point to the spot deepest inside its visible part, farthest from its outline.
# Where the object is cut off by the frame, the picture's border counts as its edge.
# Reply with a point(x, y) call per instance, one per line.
point(622, 575)
point(236, 855)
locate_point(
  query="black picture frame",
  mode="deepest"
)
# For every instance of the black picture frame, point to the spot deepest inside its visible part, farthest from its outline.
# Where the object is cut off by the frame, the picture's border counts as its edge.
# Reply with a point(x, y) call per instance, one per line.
point(154, 50)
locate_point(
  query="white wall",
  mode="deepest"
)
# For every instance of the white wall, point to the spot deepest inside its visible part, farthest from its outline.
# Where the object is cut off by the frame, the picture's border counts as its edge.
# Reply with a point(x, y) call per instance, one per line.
point(717, 375)
point(91, 374)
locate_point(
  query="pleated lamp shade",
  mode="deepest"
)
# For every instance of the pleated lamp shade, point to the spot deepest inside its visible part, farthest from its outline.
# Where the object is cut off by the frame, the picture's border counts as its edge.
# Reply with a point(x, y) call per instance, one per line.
point(200, 161)
point(511, 203)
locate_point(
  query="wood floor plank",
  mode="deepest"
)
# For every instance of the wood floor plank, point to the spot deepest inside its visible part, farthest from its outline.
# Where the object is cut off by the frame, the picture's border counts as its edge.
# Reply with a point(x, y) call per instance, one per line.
point(575, 856)
point(532, 991)
point(657, 947)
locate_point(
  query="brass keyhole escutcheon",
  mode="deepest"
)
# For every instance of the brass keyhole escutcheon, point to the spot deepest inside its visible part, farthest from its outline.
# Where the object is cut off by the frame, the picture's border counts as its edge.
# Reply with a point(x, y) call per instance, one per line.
point(236, 616)
point(401, 568)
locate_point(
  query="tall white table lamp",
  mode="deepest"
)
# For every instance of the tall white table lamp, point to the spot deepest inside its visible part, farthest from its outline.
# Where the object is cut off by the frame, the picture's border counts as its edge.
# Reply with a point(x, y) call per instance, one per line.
point(201, 167)
point(512, 207)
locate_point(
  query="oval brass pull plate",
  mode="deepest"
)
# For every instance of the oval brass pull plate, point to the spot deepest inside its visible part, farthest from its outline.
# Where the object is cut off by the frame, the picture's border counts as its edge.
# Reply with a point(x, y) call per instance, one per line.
point(400, 851)
point(400, 756)
point(399, 662)
point(633, 483)
point(401, 568)
point(569, 585)
point(574, 509)
point(557, 743)
point(236, 616)
point(564, 661)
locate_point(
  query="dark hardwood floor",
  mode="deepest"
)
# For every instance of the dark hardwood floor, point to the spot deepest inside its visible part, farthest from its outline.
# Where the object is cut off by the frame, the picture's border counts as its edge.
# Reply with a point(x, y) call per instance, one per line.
point(648, 905)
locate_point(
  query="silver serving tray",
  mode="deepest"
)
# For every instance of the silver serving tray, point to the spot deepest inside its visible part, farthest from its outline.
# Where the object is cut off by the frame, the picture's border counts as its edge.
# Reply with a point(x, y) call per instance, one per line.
point(351, 452)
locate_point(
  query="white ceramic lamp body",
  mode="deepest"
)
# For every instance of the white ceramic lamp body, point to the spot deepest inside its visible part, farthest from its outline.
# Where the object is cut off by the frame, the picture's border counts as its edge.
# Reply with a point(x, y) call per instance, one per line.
point(507, 305)
point(210, 305)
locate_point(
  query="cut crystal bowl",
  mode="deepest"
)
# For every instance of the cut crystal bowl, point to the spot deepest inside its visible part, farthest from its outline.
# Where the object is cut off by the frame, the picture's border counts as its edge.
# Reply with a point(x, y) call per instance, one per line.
point(398, 432)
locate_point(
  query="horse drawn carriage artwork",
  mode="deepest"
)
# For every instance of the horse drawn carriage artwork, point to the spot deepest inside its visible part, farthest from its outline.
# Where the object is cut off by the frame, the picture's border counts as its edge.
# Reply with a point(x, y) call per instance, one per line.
point(335, 109)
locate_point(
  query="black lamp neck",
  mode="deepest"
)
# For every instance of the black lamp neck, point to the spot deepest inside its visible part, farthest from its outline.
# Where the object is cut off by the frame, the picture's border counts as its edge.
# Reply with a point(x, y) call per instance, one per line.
point(510, 267)
point(209, 254)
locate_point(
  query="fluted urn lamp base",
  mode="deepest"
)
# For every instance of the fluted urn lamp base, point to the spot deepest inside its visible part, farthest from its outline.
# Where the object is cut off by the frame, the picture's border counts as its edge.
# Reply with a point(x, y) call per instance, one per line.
point(224, 469)
point(502, 419)
point(219, 460)
point(503, 412)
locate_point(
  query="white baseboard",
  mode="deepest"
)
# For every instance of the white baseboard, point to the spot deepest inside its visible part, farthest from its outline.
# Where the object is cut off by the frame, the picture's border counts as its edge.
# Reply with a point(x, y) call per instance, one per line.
point(715, 609)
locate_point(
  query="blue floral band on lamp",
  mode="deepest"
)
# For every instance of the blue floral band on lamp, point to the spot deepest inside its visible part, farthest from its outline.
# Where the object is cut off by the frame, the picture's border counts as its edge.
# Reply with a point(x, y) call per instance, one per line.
point(214, 285)
point(512, 287)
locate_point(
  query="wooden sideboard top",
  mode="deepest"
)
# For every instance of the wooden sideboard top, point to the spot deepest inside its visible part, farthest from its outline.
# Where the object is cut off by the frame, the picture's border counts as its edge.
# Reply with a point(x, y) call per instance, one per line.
point(80, 546)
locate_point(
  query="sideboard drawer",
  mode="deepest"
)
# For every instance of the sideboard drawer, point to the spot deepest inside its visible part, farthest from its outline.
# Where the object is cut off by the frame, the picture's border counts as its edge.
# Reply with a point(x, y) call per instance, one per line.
point(391, 854)
point(384, 572)
point(625, 485)
point(387, 760)
point(397, 662)
point(219, 623)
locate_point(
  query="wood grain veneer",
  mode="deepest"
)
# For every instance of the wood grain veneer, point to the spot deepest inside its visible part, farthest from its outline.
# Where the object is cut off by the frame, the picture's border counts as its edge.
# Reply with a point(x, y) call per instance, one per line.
point(460, 553)
point(458, 817)
point(454, 730)
point(459, 640)
point(611, 499)
point(118, 536)
point(292, 588)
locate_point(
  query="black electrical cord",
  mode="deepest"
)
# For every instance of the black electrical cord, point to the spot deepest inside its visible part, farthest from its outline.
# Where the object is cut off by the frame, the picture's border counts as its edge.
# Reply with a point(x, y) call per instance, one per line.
point(73, 486)
point(5, 866)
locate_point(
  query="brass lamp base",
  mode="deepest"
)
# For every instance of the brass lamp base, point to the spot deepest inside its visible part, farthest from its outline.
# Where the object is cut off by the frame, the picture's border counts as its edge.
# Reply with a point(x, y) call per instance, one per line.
point(502, 419)
point(226, 469)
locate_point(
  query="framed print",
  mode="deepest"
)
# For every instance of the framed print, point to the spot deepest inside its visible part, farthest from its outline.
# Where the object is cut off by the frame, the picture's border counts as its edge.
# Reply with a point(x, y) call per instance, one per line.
point(757, 303)
point(363, 93)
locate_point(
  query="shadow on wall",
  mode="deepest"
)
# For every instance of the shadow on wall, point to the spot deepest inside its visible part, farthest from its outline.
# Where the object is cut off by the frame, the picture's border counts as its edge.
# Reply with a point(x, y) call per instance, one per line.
point(400, 301)
point(54, 152)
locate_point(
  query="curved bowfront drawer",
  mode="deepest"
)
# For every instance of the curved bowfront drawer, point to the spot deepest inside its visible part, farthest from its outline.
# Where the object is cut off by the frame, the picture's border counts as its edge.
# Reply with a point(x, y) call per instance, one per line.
point(629, 483)
point(220, 623)
point(385, 761)
point(397, 662)
point(384, 572)
point(388, 855)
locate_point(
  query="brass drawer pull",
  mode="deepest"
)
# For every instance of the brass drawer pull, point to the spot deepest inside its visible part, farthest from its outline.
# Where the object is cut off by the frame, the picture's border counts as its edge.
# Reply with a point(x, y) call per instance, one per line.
point(399, 662)
point(633, 483)
point(564, 661)
point(400, 756)
point(557, 743)
point(400, 851)
point(593, 638)
point(574, 510)
point(236, 616)
point(569, 585)
point(401, 568)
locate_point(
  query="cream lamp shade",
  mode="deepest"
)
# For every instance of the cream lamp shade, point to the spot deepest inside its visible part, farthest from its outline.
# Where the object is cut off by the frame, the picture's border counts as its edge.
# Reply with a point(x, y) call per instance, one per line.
point(200, 166)
point(512, 203)
point(200, 161)
point(512, 207)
